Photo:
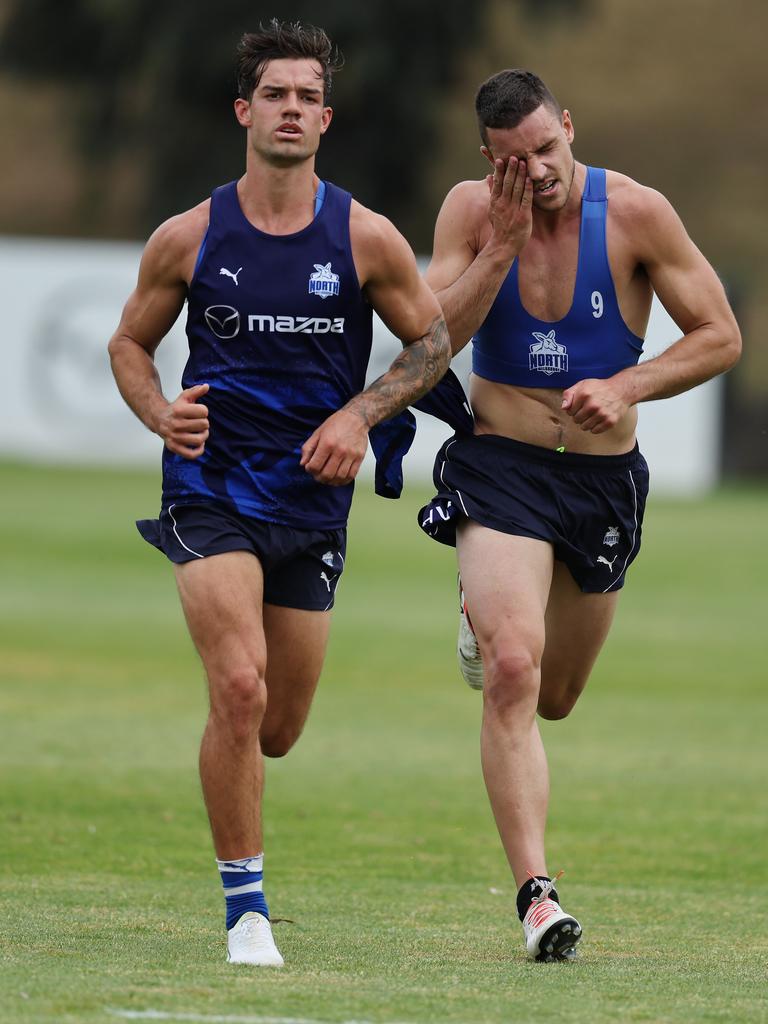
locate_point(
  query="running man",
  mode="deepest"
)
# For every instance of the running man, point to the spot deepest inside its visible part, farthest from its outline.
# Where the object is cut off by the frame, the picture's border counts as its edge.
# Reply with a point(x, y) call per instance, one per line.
point(549, 266)
point(281, 272)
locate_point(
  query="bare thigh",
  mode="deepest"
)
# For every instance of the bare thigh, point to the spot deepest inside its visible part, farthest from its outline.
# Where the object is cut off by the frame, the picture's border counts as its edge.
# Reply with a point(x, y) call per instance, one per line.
point(524, 605)
point(222, 600)
point(296, 644)
point(576, 627)
point(506, 580)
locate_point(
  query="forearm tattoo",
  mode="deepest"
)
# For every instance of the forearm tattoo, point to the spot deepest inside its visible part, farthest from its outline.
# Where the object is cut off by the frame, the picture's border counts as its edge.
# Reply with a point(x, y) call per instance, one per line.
point(415, 371)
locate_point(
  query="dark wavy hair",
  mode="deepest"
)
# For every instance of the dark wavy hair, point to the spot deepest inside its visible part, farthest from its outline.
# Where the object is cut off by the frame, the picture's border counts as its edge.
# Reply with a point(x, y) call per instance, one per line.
point(507, 97)
point(280, 40)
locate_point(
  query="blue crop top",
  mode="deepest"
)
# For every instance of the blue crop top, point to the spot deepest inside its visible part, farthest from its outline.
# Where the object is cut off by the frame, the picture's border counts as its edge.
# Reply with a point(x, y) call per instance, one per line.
point(592, 340)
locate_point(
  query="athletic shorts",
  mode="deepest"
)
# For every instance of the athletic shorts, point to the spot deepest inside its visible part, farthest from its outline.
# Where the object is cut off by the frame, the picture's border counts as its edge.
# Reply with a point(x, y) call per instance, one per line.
point(588, 507)
point(301, 568)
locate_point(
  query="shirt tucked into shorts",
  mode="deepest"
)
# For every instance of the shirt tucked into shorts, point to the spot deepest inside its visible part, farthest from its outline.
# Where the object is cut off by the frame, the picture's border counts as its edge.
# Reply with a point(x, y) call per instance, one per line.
point(588, 507)
point(301, 568)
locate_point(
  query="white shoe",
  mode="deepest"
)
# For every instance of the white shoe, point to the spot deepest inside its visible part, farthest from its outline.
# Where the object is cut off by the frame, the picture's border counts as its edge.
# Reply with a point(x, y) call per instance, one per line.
point(250, 942)
point(467, 648)
point(550, 933)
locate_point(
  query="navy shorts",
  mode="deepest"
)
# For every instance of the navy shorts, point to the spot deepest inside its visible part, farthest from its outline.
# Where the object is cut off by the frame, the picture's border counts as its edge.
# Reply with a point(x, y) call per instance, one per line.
point(588, 507)
point(301, 568)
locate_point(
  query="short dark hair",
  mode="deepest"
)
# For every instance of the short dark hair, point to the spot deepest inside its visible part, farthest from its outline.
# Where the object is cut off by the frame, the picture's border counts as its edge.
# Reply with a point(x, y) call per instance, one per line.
point(280, 40)
point(508, 96)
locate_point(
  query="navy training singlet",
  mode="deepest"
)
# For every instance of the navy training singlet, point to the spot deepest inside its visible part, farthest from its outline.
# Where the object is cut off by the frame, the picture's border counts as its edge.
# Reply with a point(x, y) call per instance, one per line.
point(591, 340)
point(279, 329)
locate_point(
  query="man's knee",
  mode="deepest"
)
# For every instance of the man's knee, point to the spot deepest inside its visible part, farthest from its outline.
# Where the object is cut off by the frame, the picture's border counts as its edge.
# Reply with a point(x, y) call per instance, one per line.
point(239, 696)
point(511, 680)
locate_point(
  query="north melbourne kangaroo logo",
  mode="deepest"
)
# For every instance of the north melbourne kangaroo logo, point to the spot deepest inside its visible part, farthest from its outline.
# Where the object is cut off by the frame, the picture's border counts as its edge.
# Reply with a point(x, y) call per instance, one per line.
point(547, 355)
point(604, 560)
point(323, 282)
point(224, 321)
point(611, 538)
point(228, 273)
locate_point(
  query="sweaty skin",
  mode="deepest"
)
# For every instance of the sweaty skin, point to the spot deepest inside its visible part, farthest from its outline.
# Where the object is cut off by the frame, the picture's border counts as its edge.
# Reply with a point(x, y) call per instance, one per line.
point(284, 120)
point(253, 650)
point(484, 225)
point(538, 634)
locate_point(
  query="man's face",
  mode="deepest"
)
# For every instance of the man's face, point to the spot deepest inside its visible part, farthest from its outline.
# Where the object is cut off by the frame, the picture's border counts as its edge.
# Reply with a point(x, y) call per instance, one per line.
point(286, 116)
point(543, 139)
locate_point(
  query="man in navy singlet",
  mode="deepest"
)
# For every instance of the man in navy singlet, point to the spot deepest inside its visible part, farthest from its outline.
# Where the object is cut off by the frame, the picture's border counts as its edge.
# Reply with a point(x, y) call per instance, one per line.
point(281, 273)
point(549, 266)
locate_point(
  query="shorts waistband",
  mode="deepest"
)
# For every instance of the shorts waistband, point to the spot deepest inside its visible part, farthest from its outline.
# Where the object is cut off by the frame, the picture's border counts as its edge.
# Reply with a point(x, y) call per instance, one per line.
point(565, 460)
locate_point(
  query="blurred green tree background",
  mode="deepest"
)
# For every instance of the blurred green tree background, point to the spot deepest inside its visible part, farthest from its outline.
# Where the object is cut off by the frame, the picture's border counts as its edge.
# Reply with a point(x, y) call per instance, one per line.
point(117, 114)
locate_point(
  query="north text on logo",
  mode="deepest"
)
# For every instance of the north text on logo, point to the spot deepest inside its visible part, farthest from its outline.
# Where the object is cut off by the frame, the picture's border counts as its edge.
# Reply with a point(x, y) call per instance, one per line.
point(547, 355)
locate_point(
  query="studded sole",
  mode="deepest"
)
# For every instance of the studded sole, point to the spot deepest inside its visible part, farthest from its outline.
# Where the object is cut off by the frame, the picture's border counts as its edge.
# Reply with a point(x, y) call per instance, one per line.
point(559, 942)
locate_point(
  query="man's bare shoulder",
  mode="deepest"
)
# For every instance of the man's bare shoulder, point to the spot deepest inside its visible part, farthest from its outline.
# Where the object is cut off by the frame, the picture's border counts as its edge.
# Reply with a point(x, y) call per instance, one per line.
point(637, 207)
point(178, 239)
point(377, 246)
point(468, 200)
point(368, 227)
point(463, 218)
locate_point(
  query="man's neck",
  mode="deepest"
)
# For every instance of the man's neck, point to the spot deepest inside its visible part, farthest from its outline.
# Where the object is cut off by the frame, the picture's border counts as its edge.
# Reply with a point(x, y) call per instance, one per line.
point(278, 200)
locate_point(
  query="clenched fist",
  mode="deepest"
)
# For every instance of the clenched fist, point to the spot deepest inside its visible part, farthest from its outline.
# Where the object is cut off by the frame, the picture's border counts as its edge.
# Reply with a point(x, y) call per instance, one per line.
point(183, 424)
point(334, 452)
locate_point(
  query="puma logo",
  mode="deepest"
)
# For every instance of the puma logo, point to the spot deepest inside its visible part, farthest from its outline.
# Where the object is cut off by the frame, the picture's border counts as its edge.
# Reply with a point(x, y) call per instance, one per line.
point(604, 560)
point(247, 865)
point(327, 580)
point(228, 273)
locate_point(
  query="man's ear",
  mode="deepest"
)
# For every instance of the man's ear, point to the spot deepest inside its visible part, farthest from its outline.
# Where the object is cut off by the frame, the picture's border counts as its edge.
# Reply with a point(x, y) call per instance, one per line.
point(568, 126)
point(243, 112)
point(325, 120)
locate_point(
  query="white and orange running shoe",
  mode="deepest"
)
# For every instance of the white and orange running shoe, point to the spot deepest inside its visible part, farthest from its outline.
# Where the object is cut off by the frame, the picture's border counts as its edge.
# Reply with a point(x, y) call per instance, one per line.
point(550, 934)
point(467, 647)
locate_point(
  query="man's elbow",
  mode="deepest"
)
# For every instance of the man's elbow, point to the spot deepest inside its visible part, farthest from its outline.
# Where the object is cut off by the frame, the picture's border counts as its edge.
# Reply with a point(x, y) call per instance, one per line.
point(444, 360)
point(441, 347)
point(730, 345)
point(121, 345)
point(114, 347)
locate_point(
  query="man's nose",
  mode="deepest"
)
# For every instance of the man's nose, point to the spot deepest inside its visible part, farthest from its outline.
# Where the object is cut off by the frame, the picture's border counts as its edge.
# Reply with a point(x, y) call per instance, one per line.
point(537, 169)
point(291, 104)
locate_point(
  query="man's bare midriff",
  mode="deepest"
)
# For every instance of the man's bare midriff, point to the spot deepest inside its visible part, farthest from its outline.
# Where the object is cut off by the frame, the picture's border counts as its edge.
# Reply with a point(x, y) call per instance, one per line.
point(535, 416)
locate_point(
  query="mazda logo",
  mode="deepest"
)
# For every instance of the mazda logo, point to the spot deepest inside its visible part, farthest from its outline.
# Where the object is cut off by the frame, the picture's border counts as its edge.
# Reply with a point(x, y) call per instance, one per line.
point(224, 321)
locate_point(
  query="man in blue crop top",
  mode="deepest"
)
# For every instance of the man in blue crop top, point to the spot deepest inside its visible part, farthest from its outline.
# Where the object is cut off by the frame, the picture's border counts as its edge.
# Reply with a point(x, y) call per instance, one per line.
point(549, 266)
point(281, 272)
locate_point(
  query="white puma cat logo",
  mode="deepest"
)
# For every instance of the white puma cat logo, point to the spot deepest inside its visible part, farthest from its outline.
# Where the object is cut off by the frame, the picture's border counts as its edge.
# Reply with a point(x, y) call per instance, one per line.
point(604, 560)
point(229, 273)
point(328, 580)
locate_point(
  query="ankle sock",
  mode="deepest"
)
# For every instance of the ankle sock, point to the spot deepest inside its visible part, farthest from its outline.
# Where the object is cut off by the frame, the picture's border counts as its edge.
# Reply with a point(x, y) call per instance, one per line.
point(242, 881)
point(529, 891)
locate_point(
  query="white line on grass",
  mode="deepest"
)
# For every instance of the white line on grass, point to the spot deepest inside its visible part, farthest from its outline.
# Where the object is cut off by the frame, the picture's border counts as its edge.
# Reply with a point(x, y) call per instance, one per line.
point(221, 1018)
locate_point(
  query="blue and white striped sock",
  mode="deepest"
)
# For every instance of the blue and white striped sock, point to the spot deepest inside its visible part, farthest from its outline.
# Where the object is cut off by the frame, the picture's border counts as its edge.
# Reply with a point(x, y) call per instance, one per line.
point(242, 881)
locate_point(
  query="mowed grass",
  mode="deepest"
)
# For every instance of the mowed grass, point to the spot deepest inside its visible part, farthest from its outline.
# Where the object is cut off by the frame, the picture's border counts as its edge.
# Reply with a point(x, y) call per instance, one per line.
point(380, 846)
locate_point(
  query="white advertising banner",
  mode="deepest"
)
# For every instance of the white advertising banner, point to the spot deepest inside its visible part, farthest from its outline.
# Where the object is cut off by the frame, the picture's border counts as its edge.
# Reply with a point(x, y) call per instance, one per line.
point(61, 301)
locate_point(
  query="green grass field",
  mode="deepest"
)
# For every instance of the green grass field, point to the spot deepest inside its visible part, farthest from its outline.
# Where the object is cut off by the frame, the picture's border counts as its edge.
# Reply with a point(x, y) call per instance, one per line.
point(380, 846)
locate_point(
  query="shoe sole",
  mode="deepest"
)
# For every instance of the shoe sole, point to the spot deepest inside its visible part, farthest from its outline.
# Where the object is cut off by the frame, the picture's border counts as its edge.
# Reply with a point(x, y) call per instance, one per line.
point(256, 963)
point(467, 668)
point(559, 942)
